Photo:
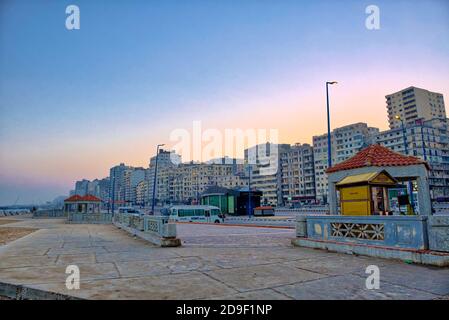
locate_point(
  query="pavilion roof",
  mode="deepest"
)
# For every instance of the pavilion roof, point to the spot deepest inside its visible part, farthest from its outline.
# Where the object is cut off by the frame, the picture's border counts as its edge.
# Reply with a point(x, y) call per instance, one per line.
point(376, 156)
point(86, 198)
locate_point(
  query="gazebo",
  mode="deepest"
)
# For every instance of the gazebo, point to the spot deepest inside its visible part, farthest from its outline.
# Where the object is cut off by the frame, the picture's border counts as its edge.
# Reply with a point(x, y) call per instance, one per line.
point(82, 204)
point(370, 162)
point(366, 193)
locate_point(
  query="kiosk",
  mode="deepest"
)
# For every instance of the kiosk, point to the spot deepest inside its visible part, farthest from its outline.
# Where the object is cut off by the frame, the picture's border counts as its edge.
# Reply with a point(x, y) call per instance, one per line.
point(365, 194)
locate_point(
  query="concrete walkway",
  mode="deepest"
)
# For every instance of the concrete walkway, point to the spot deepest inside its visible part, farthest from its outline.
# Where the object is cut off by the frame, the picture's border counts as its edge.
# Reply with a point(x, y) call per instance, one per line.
point(215, 262)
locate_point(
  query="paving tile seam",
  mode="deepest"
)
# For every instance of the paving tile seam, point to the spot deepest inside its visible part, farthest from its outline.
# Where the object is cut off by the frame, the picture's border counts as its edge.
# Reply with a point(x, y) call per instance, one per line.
point(253, 265)
point(412, 288)
point(220, 281)
point(276, 288)
point(283, 293)
point(54, 264)
point(324, 273)
point(117, 269)
point(160, 273)
point(60, 265)
point(249, 291)
point(230, 246)
point(394, 284)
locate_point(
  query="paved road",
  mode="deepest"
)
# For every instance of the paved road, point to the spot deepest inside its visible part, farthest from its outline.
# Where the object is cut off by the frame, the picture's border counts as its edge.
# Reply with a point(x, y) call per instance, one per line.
point(210, 235)
point(215, 262)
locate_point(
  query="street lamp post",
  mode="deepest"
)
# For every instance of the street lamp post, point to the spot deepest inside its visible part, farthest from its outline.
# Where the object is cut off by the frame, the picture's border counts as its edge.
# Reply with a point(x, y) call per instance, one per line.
point(154, 180)
point(249, 190)
point(197, 187)
point(404, 137)
point(329, 150)
point(112, 190)
point(422, 141)
point(197, 191)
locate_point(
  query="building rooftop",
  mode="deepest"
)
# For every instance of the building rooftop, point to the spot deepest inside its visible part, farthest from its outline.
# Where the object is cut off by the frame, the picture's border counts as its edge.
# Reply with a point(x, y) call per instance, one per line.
point(376, 156)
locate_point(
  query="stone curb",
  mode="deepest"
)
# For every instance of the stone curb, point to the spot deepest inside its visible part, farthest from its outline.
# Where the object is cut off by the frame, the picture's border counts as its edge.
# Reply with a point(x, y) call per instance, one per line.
point(425, 257)
point(20, 292)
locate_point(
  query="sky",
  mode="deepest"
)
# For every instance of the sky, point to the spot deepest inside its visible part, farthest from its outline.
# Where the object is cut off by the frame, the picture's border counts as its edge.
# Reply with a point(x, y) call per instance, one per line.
point(73, 103)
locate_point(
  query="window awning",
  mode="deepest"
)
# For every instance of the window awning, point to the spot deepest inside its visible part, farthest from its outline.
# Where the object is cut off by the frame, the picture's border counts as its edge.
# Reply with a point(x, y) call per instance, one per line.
point(372, 178)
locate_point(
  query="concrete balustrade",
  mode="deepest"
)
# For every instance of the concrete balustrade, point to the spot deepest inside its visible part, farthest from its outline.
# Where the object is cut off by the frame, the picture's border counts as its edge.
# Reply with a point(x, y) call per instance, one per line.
point(50, 213)
point(394, 231)
point(155, 229)
point(89, 218)
point(438, 229)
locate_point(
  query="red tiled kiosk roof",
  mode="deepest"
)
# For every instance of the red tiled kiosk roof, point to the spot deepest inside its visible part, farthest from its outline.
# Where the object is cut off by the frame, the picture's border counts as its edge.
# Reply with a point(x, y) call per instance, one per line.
point(73, 198)
point(376, 156)
point(76, 197)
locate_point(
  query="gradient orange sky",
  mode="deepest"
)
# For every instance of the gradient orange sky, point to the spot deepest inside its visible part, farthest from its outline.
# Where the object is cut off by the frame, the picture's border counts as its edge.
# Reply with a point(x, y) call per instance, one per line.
point(73, 104)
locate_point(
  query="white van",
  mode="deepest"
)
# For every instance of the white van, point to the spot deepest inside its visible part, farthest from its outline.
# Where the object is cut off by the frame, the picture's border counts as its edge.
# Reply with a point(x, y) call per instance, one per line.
point(199, 213)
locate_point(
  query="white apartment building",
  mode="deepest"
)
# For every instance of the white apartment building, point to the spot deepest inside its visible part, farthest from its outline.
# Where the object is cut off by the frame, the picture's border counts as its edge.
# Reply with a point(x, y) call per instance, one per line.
point(346, 141)
point(117, 181)
point(298, 175)
point(428, 140)
point(132, 177)
point(96, 187)
point(414, 103)
point(103, 190)
point(266, 174)
point(141, 193)
point(189, 180)
point(167, 161)
point(81, 187)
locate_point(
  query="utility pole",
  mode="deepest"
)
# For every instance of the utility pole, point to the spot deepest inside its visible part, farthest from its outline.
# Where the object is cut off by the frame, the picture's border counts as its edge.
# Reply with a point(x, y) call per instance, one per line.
point(113, 190)
point(329, 149)
point(249, 191)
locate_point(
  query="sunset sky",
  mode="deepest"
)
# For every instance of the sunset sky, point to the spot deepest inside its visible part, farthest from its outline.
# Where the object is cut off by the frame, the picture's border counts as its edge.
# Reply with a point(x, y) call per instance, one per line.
point(74, 103)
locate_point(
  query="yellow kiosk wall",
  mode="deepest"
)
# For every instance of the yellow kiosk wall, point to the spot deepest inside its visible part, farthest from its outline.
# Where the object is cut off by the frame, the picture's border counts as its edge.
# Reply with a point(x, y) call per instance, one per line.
point(355, 201)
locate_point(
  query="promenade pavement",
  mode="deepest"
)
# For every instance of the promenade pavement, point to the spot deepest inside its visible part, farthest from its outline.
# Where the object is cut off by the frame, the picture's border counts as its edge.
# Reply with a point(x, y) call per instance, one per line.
point(214, 262)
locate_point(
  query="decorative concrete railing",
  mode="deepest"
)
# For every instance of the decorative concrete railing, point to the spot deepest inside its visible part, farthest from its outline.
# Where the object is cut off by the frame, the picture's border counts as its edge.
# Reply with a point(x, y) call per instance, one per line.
point(155, 229)
point(6, 213)
point(393, 231)
point(89, 218)
point(50, 213)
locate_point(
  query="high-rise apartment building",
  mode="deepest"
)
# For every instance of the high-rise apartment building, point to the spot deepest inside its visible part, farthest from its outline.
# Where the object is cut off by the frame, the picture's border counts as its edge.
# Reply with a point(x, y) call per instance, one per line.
point(266, 174)
point(167, 161)
point(103, 190)
point(414, 103)
point(428, 140)
point(141, 193)
point(346, 141)
point(97, 187)
point(298, 175)
point(189, 180)
point(117, 182)
point(132, 177)
point(82, 187)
